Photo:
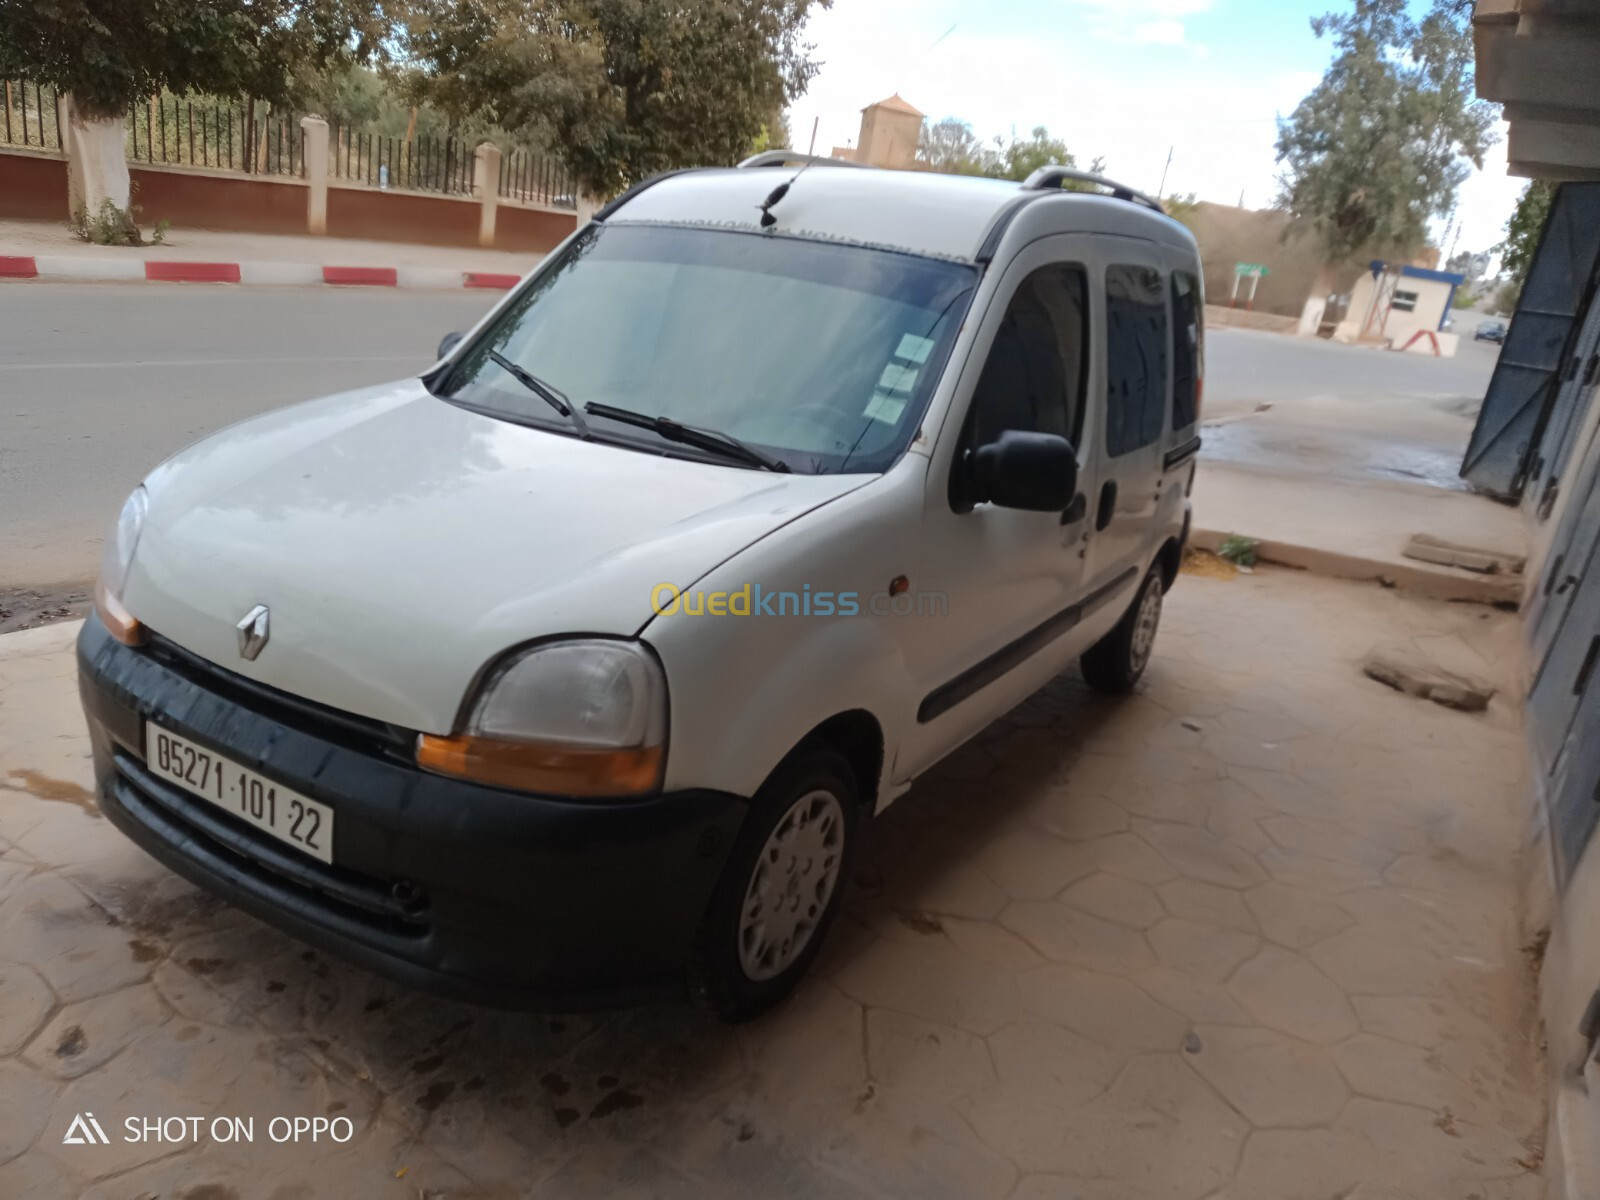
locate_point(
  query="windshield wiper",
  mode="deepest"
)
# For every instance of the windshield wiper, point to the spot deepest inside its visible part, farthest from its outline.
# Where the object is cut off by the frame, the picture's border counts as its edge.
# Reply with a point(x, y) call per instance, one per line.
point(688, 435)
point(543, 390)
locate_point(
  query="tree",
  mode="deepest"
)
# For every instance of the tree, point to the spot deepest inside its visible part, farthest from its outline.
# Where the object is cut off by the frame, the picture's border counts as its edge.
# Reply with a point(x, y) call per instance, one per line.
point(951, 148)
point(108, 54)
point(1022, 158)
point(1380, 146)
point(619, 89)
point(1183, 209)
point(1524, 230)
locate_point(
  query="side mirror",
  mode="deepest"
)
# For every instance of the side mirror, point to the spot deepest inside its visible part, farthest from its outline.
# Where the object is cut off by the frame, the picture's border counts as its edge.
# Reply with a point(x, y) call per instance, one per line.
point(449, 342)
point(1036, 472)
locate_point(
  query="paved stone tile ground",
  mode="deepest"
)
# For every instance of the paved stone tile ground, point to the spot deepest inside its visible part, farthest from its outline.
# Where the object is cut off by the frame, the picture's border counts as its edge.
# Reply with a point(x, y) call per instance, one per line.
point(1249, 935)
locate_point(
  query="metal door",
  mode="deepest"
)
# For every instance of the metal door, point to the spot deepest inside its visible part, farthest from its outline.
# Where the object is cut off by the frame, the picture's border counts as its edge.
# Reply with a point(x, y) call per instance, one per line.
point(1567, 418)
point(1566, 565)
point(1506, 450)
point(1575, 789)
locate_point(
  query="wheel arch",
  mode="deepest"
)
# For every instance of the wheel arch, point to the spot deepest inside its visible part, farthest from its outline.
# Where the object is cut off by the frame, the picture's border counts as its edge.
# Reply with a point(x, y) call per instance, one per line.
point(857, 737)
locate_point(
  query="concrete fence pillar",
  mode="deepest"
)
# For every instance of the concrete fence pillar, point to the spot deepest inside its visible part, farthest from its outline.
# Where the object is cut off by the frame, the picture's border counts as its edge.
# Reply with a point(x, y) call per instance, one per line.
point(486, 186)
point(316, 161)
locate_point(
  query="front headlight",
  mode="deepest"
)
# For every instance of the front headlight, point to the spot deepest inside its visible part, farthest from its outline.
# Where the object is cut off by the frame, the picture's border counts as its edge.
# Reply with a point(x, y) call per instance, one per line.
point(115, 560)
point(578, 718)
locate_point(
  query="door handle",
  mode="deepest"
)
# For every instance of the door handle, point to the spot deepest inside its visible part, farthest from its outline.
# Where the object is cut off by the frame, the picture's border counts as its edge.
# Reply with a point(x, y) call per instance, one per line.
point(1108, 505)
point(1077, 510)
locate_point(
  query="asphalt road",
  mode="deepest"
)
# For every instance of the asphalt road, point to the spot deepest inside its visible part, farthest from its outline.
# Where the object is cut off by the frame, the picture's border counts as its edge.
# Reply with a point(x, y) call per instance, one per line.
point(1246, 368)
point(99, 383)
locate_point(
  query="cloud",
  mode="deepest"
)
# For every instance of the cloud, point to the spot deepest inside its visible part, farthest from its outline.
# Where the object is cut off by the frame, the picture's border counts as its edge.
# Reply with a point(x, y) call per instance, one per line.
point(1159, 33)
point(1143, 22)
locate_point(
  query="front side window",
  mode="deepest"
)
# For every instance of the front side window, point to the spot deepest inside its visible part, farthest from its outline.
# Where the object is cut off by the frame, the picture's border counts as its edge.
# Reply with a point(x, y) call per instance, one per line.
point(1188, 349)
point(1136, 358)
point(1033, 379)
point(822, 356)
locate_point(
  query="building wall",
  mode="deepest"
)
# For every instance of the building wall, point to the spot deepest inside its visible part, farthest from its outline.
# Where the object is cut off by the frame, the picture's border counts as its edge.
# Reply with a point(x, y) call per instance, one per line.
point(888, 138)
point(1229, 235)
point(1562, 629)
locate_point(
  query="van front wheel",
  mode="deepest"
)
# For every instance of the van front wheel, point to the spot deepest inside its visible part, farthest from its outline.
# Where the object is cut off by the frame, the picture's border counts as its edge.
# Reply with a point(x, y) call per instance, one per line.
point(780, 890)
point(1116, 662)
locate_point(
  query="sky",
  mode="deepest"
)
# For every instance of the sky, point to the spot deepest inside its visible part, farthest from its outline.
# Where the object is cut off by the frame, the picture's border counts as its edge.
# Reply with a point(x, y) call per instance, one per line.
point(1127, 80)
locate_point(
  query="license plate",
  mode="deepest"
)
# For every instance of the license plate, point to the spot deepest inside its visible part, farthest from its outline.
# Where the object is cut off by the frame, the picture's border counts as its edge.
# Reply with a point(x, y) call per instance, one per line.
point(270, 807)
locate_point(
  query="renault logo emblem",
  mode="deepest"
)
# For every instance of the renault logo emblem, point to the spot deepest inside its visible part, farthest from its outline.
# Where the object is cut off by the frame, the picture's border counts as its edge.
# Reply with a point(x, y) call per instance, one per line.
point(253, 633)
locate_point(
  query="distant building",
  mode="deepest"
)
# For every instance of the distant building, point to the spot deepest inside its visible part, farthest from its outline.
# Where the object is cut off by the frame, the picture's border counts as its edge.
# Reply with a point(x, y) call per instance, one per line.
point(891, 130)
point(1394, 303)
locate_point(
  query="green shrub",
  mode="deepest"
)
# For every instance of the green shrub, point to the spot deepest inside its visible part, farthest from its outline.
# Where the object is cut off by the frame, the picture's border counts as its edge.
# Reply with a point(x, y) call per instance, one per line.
point(1240, 551)
point(113, 226)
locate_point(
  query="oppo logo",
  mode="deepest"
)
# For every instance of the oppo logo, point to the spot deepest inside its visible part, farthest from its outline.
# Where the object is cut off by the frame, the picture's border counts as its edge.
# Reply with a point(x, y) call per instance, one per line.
point(85, 1131)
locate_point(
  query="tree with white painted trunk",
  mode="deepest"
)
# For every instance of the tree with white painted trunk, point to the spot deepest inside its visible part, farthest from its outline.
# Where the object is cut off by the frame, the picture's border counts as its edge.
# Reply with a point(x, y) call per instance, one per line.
point(104, 56)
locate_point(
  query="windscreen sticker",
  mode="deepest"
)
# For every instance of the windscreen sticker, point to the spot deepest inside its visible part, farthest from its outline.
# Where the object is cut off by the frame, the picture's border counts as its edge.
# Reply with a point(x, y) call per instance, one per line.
point(898, 379)
point(914, 349)
point(886, 409)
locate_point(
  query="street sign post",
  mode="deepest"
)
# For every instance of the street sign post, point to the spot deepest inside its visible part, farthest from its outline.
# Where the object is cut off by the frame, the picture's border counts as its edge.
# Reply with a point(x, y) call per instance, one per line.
point(1255, 273)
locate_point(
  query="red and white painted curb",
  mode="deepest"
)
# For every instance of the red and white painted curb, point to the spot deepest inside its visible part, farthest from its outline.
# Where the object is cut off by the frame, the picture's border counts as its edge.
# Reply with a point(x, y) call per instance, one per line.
point(118, 270)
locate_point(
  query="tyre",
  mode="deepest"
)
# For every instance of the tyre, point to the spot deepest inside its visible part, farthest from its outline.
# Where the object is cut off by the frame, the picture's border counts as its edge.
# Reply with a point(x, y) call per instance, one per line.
point(1115, 663)
point(781, 888)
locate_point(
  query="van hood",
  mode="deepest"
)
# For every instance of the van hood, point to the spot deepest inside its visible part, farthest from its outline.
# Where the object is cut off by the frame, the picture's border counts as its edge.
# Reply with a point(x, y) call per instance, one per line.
point(401, 544)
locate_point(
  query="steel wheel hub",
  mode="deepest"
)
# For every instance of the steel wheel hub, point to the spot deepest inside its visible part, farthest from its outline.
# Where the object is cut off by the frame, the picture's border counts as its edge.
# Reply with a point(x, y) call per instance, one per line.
point(1145, 625)
point(789, 890)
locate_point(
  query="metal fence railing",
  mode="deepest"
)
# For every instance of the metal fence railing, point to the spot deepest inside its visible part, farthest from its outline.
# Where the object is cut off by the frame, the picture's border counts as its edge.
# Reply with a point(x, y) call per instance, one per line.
point(207, 132)
point(195, 131)
point(536, 178)
point(424, 164)
point(30, 115)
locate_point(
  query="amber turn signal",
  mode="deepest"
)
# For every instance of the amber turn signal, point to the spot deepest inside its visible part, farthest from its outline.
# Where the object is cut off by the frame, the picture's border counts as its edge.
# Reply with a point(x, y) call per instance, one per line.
point(536, 767)
point(119, 622)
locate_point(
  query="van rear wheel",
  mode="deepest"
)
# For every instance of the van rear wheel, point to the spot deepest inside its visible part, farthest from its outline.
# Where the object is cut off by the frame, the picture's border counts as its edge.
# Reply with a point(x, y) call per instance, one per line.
point(1117, 661)
point(781, 888)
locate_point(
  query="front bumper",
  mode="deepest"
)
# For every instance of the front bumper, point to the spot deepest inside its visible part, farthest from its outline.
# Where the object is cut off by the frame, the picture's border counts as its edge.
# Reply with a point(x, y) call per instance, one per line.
point(483, 894)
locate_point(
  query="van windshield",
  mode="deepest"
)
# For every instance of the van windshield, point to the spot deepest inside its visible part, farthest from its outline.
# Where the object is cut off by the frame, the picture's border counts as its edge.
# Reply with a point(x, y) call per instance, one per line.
point(819, 355)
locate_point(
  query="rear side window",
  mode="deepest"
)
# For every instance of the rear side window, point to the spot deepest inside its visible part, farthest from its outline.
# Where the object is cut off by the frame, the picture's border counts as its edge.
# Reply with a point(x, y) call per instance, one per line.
point(1136, 358)
point(1033, 380)
point(1188, 349)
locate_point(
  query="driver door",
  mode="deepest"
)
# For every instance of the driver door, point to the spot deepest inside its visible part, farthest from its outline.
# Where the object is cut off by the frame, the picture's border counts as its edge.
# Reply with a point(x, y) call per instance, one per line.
point(1007, 577)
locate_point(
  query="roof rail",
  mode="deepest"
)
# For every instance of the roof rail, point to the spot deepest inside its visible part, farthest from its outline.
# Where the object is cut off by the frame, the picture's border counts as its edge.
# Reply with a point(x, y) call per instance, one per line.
point(787, 158)
point(1047, 178)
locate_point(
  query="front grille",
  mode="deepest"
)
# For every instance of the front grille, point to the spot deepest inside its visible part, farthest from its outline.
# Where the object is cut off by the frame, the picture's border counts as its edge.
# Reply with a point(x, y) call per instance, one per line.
point(329, 895)
point(329, 724)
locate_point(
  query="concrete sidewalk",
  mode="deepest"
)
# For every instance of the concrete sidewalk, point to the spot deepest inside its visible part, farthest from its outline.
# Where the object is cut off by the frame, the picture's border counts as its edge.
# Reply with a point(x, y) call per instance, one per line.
point(1250, 934)
point(47, 250)
point(1354, 530)
point(1334, 457)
